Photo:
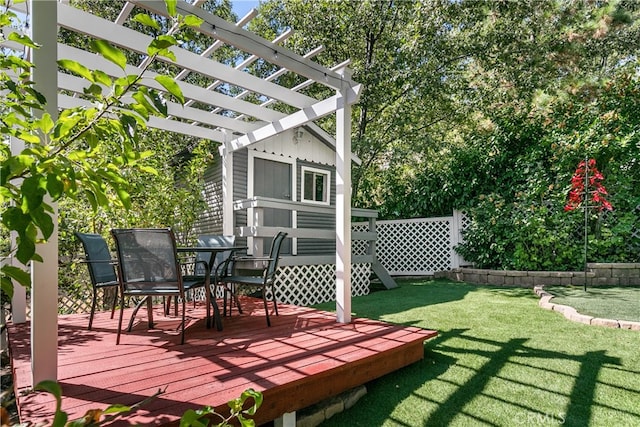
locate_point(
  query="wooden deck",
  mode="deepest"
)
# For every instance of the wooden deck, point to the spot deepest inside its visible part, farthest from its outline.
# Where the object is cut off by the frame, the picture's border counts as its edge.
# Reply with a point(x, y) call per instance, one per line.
point(303, 358)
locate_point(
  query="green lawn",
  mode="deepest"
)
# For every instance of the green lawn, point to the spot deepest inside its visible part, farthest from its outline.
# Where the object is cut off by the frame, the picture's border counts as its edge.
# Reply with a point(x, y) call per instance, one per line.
point(499, 360)
point(619, 303)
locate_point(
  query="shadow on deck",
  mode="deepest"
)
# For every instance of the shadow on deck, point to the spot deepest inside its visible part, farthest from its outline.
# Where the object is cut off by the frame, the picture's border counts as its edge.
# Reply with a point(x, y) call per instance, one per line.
point(302, 359)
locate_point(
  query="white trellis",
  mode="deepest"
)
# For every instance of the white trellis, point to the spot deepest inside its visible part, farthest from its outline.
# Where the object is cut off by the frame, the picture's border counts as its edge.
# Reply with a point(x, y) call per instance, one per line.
point(421, 246)
point(229, 120)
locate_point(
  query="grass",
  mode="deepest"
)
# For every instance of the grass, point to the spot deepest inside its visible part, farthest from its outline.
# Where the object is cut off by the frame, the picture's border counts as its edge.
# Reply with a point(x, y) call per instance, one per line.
point(499, 360)
point(620, 303)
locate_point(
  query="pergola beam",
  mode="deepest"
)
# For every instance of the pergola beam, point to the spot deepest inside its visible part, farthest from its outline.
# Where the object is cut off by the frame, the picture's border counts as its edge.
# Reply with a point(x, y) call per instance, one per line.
point(246, 41)
point(190, 91)
point(73, 18)
point(299, 118)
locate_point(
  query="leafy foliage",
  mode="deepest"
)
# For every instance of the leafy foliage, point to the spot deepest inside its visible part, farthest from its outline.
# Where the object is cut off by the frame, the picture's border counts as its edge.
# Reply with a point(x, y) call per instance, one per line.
point(191, 418)
point(86, 151)
point(487, 107)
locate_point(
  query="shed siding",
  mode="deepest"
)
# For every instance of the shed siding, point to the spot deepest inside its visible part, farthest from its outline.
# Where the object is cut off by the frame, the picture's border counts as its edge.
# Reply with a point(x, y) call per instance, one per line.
point(211, 220)
point(314, 220)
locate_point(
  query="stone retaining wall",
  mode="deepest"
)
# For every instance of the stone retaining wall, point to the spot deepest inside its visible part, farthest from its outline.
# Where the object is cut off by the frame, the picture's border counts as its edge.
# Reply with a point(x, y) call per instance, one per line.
point(598, 274)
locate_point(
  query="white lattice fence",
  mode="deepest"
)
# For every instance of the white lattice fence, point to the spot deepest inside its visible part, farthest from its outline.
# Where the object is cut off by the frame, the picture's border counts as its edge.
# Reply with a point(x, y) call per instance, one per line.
point(312, 284)
point(416, 246)
point(359, 247)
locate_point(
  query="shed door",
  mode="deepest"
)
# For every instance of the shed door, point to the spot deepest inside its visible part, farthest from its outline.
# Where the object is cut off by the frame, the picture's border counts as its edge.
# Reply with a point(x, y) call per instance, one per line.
point(274, 179)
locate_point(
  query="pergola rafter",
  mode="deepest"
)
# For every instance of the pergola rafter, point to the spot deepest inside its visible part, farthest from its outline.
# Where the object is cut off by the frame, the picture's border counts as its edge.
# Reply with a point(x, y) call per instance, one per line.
point(209, 113)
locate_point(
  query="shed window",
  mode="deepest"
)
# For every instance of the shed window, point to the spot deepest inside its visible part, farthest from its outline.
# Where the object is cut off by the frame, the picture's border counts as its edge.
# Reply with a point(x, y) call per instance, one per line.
point(315, 185)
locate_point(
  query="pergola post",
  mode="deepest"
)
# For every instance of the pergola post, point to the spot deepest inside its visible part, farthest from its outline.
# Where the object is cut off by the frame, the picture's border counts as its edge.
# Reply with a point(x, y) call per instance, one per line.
point(19, 299)
point(227, 190)
point(44, 275)
point(343, 207)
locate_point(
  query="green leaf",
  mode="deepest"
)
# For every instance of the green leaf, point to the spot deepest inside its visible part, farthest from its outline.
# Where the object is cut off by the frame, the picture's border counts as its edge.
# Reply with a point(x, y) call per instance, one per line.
point(33, 191)
point(128, 124)
point(122, 84)
point(171, 7)
point(54, 186)
point(109, 52)
point(141, 97)
point(45, 123)
point(40, 98)
point(26, 249)
point(146, 20)
point(192, 418)
point(124, 196)
point(159, 102)
point(14, 219)
point(148, 169)
point(76, 68)
point(65, 125)
point(23, 40)
point(6, 285)
point(161, 43)
point(93, 89)
point(116, 409)
point(92, 200)
point(257, 400)
point(171, 86)
point(101, 77)
point(43, 221)
point(18, 274)
point(19, 163)
point(193, 21)
point(28, 137)
point(60, 418)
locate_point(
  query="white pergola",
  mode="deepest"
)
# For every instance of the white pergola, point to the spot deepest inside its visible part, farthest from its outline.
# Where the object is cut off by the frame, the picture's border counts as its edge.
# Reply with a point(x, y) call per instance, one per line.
point(208, 113)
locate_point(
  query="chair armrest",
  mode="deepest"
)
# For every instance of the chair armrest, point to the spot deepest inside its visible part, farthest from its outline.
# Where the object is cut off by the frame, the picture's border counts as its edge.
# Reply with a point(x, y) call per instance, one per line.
point(252, 258)
point(98, 261)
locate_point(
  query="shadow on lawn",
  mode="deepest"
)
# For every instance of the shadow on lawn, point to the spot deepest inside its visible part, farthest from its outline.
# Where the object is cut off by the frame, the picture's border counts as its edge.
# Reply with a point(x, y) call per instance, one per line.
point(440, 357)
point(404, 297)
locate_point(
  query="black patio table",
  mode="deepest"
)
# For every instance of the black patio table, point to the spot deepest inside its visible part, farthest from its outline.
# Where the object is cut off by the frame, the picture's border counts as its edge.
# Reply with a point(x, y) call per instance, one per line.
point(211, 297)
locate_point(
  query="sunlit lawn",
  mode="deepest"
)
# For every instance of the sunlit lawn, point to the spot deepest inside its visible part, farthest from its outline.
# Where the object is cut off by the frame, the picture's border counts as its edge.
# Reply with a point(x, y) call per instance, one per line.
point(499, 360)
point(619, 303)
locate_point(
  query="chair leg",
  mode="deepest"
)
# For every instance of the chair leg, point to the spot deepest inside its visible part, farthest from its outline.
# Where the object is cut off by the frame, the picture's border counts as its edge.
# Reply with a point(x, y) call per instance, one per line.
point(115, 300)
point(275, 303)
point(120, 319)
point(183, 319)
point(266, 308)
point(135, 311)
point(93, 307)
point(234, 294)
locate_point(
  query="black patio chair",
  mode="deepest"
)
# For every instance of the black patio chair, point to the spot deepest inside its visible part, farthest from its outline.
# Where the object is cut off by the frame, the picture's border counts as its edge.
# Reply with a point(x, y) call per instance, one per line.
point(149, 267)
point(101, 268)
point(265, 281)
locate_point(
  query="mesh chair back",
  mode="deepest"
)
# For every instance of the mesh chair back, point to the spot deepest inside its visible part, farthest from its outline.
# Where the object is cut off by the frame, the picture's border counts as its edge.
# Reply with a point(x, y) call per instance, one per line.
point(97, 251)
point(274, 254)
point(148, 261)
point(213, 241)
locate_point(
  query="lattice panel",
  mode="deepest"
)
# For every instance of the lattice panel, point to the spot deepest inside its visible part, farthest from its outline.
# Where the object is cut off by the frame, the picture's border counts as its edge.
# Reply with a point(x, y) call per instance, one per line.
point(77, 302)
point(465, 221)
point(359, 247)
point(415, 247)
point(306, 285)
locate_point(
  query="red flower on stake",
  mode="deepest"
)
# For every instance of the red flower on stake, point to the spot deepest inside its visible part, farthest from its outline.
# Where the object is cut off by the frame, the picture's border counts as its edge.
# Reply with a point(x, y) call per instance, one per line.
point(594, 193)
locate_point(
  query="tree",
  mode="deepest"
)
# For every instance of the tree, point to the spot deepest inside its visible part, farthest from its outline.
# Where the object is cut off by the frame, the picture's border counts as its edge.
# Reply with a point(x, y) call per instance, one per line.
point(484, 106)
point(66, 157)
